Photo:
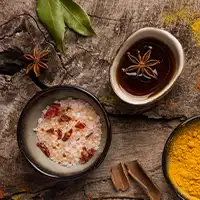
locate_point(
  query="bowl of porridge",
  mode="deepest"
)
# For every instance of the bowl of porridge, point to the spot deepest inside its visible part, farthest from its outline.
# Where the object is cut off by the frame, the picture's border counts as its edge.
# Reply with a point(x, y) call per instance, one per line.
point(64, 132)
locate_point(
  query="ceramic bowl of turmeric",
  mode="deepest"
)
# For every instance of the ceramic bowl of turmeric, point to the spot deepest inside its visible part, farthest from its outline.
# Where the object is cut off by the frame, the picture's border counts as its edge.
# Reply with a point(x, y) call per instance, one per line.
point(181, 160)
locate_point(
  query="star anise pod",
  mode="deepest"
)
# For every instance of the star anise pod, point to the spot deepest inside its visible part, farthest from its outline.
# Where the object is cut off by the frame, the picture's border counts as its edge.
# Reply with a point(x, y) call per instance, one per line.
point(37, 61)
point(142, 65)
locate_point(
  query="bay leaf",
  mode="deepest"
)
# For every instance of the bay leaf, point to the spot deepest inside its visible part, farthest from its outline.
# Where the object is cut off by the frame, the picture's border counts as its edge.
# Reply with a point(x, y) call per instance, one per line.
point(50, 14)
point(76, 18)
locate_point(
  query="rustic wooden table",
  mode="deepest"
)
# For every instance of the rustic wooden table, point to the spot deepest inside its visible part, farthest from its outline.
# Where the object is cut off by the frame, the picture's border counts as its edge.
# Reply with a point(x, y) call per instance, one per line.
point(86, 63)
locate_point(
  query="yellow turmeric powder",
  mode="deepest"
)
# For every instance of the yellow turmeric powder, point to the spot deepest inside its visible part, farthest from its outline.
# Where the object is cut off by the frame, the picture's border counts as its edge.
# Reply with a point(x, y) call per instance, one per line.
point(184, 161)
point(195, 27)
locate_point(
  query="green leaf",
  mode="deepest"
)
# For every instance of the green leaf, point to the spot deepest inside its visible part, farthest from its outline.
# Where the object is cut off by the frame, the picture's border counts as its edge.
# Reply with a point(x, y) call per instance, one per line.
point(50, 14)
point(76, 18)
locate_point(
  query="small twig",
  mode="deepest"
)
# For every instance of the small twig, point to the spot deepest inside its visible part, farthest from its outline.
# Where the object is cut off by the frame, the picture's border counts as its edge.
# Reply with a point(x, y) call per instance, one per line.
point(87, 136)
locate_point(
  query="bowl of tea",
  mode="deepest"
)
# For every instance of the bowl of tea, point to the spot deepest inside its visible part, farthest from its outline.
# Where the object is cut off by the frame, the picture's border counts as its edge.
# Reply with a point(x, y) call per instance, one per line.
point(146, 66)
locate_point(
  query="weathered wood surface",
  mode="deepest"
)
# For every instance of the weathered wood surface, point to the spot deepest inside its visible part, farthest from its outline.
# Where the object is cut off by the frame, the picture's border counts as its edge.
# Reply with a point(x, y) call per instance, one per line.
point(86, 64)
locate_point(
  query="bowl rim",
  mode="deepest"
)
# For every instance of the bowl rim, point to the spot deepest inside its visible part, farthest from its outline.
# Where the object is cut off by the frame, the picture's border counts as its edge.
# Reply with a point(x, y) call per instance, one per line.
point(165, 154)
point(168, 87)
point(102, 156)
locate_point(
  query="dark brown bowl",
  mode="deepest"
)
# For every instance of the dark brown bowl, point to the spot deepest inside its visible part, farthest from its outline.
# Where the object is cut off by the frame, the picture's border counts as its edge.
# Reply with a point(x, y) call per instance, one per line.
point(27, 138)
point(166, 151)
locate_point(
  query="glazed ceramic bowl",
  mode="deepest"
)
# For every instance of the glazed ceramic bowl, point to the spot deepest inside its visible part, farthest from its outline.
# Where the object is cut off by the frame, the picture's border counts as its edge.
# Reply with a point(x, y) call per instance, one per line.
point(166, 38)
point(165, 155)
point(27, 137)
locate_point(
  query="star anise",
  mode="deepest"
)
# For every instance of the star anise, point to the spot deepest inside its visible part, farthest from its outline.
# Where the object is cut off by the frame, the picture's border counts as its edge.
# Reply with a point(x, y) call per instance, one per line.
point(142, 65)
point(37, 61)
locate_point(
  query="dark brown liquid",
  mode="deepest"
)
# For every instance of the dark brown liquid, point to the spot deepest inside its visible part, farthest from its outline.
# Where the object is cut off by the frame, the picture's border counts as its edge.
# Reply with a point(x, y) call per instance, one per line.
point(138, 86)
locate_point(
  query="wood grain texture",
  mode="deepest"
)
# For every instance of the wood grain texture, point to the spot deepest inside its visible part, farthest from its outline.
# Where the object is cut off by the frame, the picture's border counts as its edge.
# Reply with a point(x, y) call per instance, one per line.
point(86, 63)
point(87, 60)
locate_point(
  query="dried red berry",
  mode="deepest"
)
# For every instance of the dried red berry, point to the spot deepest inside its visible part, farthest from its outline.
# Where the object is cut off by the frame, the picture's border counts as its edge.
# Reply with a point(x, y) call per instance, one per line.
point(64, 118)
point(67, 135)
point(82, 160)
point(86, 155)
point(80, 125)
point(59, 133)
point(44, 148)
point(51, 131)
point(91, 152)
point(52, 112)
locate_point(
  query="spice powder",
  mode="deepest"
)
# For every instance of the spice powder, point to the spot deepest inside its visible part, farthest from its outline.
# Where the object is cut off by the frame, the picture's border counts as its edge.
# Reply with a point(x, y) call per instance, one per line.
point(184, 161)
